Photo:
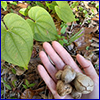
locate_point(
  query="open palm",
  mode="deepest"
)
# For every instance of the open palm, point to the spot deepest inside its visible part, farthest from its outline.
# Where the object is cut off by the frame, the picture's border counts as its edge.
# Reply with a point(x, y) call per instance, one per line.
point(60, 58)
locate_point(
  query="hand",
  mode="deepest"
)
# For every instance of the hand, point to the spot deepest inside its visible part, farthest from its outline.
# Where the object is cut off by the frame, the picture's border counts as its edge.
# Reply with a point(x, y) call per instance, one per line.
point(61, 57)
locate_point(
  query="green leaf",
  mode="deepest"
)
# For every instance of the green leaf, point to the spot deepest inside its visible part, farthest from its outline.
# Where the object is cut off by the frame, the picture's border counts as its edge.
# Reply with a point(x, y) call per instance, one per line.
point(31, 85)
point(13, 3)
point(87, 48)
point(24, 86)
point(95, 65)
point(3, 80)
point(63, 30)
point(16, 40)
point(43, 26)
point(13, 70)
point(12, 98)
point(76, 36)
point(23, 11)
point(39, 4)
point(51, 6)
point(64, 11)
point(13, 82)
point(74, 4)
point(7, 86)
point(4, 5)
point(26, 82)
point(97, 5)
point(2, 92)
point(61, 42)
point(65, 41)
point(81, 8)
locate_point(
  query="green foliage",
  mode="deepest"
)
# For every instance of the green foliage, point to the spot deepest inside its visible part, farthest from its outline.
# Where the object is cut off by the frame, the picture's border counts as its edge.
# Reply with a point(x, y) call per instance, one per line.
point(84, 11)
point(39, 4)
point(13, 3)
point(13, 98)
point(62, 42)
point(11, 10)
point(16, 40)
point(28, 2)
point(89, 21)
point(27, 84)
point(64, 26)
point(77, 19)
point(87, 48)
point(17, 34)
point(23, 11)
point(81, 8)
point(72, 39)
point(24, 86)
point(2, 92)
point(64, 11)
point(31, 85)
point(5, 84)
point(95, 65)
point(51, 6)
point(13, 70)
point(4, 5)
point(92, 2)
point(42, 24)
point(75, 37)
point(74, 4)
point(13, 83)
point(97, 5)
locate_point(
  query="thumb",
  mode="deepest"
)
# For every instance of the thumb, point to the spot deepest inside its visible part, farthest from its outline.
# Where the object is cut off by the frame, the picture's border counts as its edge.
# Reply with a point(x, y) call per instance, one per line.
point(88, 68)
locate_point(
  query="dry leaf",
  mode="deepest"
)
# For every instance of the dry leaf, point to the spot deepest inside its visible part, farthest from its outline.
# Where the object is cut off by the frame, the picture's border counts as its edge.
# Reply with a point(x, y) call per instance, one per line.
point(27, 94)
point(84, 40)
point(25, 5)
point(19, 71)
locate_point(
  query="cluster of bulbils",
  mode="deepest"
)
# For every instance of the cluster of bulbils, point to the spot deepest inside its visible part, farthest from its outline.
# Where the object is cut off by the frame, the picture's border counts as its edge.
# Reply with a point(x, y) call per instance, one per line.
point(74, 83)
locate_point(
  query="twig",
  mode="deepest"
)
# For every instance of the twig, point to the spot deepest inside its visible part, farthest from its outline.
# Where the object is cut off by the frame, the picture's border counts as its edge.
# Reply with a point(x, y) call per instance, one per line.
point(20, 83)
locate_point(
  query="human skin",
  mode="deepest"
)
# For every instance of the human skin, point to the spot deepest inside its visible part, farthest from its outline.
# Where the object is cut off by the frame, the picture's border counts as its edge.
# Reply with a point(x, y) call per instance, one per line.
point(60, 58)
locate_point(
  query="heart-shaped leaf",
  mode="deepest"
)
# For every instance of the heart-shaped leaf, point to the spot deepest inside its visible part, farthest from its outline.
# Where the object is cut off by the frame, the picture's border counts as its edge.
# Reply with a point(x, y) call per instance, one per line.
point(42, 24)
point(64, 11)
point(16, 40)
point(4, 5)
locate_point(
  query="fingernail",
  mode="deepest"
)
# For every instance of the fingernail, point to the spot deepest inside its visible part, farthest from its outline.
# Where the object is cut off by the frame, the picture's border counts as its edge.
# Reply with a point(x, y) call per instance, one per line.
point(81, 57)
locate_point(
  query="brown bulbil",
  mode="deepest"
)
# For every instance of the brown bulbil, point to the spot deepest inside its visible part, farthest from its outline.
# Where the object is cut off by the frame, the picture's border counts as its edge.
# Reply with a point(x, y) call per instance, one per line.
point(67, 67)
point(68, 74)
point(75, 94)
point(83, 83)
point(58, 74)
point(63, 89)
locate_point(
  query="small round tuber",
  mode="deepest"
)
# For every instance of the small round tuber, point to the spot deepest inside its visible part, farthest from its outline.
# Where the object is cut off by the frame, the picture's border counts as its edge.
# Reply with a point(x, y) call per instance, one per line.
point(58, 74)
point(75, 94)
point(66, 67)
point(68, 74)
point(83, 83)
point(63, 89)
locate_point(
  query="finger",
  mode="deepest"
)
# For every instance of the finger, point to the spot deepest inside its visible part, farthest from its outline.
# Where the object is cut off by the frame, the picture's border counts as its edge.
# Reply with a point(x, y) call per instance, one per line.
point(50, 83)
point(50, 68)
point(65, 56)
point(47, 79)
point(53, 55)
point(88, 67)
